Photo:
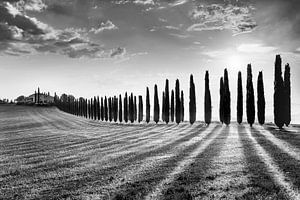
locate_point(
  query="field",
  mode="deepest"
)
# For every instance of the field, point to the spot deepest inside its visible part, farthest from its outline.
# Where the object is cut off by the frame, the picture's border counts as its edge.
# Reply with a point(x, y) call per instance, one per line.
point(48, 154)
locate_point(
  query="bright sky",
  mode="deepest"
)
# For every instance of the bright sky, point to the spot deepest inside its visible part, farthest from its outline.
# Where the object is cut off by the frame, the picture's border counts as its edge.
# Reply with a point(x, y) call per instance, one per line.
point(96, 47)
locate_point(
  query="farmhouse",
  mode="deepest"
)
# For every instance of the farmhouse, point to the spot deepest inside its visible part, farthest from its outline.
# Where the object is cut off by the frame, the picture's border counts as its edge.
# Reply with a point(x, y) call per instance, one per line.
point(42, 98)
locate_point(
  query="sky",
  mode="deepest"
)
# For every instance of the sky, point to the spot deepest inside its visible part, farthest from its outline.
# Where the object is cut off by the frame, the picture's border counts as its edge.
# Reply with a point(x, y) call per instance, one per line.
point(108, 47)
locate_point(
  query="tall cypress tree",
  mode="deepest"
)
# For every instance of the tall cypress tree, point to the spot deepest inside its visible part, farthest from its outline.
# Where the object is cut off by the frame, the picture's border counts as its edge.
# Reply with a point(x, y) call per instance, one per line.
point(221, 106)
point(92, 108)
point(163, 107)
point(178, 104)
point(172, 106)
point(260, 99)
point(131, 108)
point(156, 105)
point(250, 106)
point(115, 108)
point(240, 99)
point(35, 96)
point(135, 109)
point(140, 109)
point(102, 109)
point(287, 95)
point(192, 103)
point(110, 117)
point(167, 102)
point(278, 94)
point(98, 107)
point(95, 108)
point(105, 109)
point(126, 108)
point(182, 107)
point(207, 100)
point(120, 109)
point(38, 95)
point(227, 110)
point(147, 105)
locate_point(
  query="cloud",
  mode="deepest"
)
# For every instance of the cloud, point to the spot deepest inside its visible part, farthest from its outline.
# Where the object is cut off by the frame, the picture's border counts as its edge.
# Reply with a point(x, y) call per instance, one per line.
point(255, 48)
point(108, 25)
point(21, 34)
point(118, 52)
point(144, 2)
point(210, 17)
point(178, 2)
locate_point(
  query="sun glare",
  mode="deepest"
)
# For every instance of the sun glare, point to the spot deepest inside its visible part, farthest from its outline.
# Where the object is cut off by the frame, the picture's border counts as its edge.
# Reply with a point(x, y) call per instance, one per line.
point(235, 62)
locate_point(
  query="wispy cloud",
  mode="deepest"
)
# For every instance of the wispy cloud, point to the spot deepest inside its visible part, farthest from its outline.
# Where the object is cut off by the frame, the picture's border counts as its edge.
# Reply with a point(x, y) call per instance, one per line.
point(209, 17)
point(108, 25)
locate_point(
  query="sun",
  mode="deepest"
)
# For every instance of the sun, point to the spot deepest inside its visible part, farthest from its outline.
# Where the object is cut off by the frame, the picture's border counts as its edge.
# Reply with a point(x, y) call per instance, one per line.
point(235, 62)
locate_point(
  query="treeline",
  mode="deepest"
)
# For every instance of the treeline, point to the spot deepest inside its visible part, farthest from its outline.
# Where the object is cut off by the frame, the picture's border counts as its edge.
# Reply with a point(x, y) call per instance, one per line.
point(130, 108)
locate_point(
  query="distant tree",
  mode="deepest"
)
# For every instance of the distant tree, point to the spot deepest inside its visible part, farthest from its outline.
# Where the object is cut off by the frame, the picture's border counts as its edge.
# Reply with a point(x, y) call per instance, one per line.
point(147, 106)
point(92, 107)
point(135, 109)
point(35, 96)
point(131, 108)
point(38, 95)
point(260, 99)
point(192, 103)
point(167, 102)
point(182, 107)
point(95, 108)
point(287, 95)
point(227, 110)
point(140, 109)
point(126, 108)
point(221, 109)
point(250, 106)
point(156, 105)
point(102, 109)
point(89, 109)
point(240, 99)
point(110, 113)
point(115, 108)
point(278, 94)
point(98, 108)
point(172, 106)
point(207, 100)
point(105, 109)
point(178, 104)
point(120, 109)
point(163, 116)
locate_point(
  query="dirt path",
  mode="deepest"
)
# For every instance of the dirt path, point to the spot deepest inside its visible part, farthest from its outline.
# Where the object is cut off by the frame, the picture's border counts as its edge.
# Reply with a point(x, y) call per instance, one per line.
point(48, 154)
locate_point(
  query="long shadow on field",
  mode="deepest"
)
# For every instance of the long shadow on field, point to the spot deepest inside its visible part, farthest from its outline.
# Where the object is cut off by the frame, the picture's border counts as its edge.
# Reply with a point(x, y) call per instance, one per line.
point(87, 178)
point(194, 182)
point(151, 178)
point(289, 165)
point(290, 137)
point(261, 184)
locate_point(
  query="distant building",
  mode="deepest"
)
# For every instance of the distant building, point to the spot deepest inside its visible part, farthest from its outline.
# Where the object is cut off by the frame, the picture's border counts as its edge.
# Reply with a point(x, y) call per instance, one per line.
point(31, 99)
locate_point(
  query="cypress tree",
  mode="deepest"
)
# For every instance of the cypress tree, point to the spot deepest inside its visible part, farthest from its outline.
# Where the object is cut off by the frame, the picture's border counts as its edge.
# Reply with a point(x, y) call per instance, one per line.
point(95, 108)
point(240, 99)
point(102, 109)
point(167, 102)
point(140, 109)
point(115, 108)
point(147, 105)
point(120, 109)
point(178, 104)
point(110, 117)
point(221, 109)
point(156, 105)
point(98, 107)
point(287, 95)
point(126, 108)
point(131, 108)
point(135, 109)
point(163, 116)
point(105, 109)
point(278, 94)
point(227, 110)
point(38, 96)
point(172, 106)
point(35, 96)
point(260, 99)
point(250, 106)
point(92, 108)
point(207, 100)
point(192, 103)
point(182, 107)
